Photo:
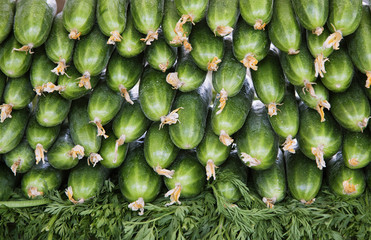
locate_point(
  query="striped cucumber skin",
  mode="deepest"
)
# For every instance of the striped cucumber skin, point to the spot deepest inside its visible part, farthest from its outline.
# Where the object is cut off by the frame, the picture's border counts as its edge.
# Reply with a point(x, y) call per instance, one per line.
point(13, 63)
point(312, 14)
point(37, 134)
point(22, 153)
point(321, 94)
point(7, 181)
point(155, 94)
point(52, 109)
point(137, 179)
point(222, 14)
point(18, 92)
point(79, 15)
point(195, 8)
point(6, 17)
point(147, 14)
point(315, 43)
point(111, 15)
point(356, 149)
point(107, 151)
point(189, 173)
point(345, 15)
point(252, 10)
point(12, 130)
point(160, 55)
point(3, 80)
point(40, 72)
point(304, 179)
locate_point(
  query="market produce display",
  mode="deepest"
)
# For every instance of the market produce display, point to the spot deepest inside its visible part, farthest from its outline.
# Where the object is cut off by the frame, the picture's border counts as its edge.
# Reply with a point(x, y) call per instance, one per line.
point(185, 119)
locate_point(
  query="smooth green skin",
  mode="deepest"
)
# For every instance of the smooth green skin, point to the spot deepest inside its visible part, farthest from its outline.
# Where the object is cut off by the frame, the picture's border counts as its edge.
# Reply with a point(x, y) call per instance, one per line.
point(44, 179)
point(22, 152)
point(12, 130)
point(13, 63)
point(124, 71)
point(195, 8)
point(189, 74)
point(252, 10)
point(3, 80)
point(37, 134)
point(104, 104)
point(286, 122)
point(159, 150)
point(159, 52)
point(321, 92)
point(247, 40)
point(111, 15)
point(82, 132)
point(357, 145)
point(130, 45)
point(59, 45)
point(6, 17)
point(92, 53)
point(284, 29)
point(147, 14)
point(271, 182)
point(315, 43)
point(130, 121)
point(205, 45)
point(269, 81)
point(189, 173)
point(345, 15)
point(311, 13)
point(313, 133)
point(337, 173)
point(7, 181)
point(58, 154)
point(18, 92)
point(40, 71)
point(235, 112)
point(304, 178)
point(52, 109)
point(79, 15)
point(189, 131)
point(33, 21)
point(350, 108)
point(107, 151)
point(155, 94)
point(368, 176)
point(258, 139)
point(137, 179)
point(222, 14)
point(339, 72)
point(70, 81)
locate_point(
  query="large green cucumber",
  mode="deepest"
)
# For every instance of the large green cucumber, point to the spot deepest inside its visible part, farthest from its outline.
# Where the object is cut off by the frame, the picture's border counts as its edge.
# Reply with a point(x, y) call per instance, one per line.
point(33, 21)
point(222, 16)
point(304, 179)
point(3, 80)
point(257, 13)
point(284, 29)
point(7, 181)
point(6, 17)
point(155, 95)
point(356, 149)
point(52, 109)
point(13, 63)
point(21, 158)
point(195, 9)
point(257, 143)
point(160, 55)
point(79, 17)
point(40, 72)
point(112, 157)
point(208, 50)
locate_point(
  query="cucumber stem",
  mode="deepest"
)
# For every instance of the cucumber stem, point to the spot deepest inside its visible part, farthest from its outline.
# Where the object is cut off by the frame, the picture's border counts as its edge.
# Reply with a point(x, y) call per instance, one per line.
point(25, 203)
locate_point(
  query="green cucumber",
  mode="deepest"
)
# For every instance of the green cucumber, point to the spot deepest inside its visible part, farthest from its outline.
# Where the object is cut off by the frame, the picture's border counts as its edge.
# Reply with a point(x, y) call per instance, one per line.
point(33, 21)
point(284, 29)
point(304, 179)
point(195, 9)
point(52, 109)
point(6, 17)
point(3, 80)
point(356, 149)
point(257, 13)
point(222, 16)
point(112, 157)
point(13, 63)
point(21, 158)
point(315, 43)
point(155, 95)
point(7, 181)
point(208, 50)
point(160, 55)
point(257, 143)
point(40, 73)
point(79, 17)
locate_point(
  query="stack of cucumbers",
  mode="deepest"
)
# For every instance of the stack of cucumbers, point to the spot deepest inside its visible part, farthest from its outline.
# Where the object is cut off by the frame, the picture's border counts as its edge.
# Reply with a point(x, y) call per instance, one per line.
point(164, 96)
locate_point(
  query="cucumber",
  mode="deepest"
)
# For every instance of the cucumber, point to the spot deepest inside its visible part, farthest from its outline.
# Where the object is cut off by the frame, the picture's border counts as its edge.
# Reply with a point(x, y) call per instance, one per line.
point(356, 149)
point(304, 179)
point(111, 18)
point(343, 181)
point(7, 181)
point(155, 95)
point(3, 80)
point(312, 14)
point(59, 47)
point(112, 157)
point(91, 63)
point(271, 183)
point(222, 16)
point(79, 17)
point(33, 21)
point(194, 10)
point(351, 108)
point(13, 63)
point(147, 16)
point(138, 183)
point(269, 83)
point(249, 46)
point(284, 29)
point(52, 109)
point(257, 13)
point(160, 55)
point(318, 140)
point(21, 158)
point(257, 143)
point(39, 181)
point(208, 50)
point(6, 17)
